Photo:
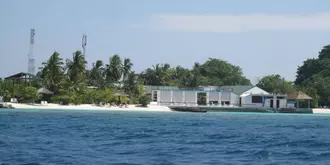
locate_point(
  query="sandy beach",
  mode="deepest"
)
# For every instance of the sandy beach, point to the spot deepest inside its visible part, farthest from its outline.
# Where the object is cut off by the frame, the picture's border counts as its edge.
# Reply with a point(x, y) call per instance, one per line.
point(154, 108)
point(321, 110)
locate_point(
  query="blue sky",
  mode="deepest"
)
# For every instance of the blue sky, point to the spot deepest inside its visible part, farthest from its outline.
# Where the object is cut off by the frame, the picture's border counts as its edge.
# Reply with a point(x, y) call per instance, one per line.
point(263, 37)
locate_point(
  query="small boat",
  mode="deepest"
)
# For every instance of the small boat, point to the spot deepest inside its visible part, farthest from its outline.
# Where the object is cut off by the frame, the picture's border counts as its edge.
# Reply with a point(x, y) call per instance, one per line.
point(187, 109)
point(6, 106)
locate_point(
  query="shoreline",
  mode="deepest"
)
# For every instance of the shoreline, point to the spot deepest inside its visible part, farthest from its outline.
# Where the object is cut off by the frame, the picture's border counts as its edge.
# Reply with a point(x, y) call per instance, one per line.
point(131, 107)
point(150, 108)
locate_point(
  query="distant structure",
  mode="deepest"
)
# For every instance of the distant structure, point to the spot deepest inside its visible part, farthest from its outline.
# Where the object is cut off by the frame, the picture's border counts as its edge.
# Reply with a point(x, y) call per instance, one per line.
point(84, 43)
point(31, 63)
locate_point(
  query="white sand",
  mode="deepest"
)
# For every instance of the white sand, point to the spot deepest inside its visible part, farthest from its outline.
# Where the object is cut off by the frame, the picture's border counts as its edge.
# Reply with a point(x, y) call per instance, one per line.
point(321, 110)
point(153, 108)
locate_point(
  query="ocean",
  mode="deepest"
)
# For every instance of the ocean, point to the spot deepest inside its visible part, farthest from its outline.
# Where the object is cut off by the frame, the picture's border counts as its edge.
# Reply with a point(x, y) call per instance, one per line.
point(35, 137)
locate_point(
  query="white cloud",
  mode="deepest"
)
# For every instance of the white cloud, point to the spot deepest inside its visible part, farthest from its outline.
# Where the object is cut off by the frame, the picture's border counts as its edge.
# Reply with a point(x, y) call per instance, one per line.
point(242, 23)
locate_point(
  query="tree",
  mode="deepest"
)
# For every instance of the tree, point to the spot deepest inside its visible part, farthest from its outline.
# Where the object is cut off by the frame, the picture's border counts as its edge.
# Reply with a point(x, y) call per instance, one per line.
point(96, 75)
point(127, 66)
point(114, 69)
point(29, 94)
point(76, 68)
point(325, 53)
point(52, 72)
point(311, 67)
point(275, 84)
point(157, 75)
point(219, 72)
point(131, 85)
point(314, 75)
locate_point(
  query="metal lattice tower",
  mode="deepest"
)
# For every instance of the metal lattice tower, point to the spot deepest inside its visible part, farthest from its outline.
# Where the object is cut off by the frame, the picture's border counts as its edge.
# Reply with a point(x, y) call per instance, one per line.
point(31, 64)
point(84, 44)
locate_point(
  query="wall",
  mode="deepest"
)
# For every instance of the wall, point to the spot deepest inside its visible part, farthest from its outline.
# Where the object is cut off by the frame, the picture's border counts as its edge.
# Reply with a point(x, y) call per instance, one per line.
point(191, 97)
point(178, 97)
point(226, 96)
point(165, 97)
point(213, 96)
point(247, 102)
point(234, 99)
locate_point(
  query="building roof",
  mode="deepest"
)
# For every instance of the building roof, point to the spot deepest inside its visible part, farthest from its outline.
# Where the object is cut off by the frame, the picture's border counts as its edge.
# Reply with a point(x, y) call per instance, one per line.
point(237, 89)
point(299, 96)
point(45, 91)
point(149, 88)
point(120, 94)
point(20, 76)
point(209, 88)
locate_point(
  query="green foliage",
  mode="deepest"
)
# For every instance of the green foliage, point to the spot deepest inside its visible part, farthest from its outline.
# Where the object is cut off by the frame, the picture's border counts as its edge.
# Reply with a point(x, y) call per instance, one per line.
point(29, 94)
point(314, 77)
point(114, 69)
point(96, 76)
point(52, 72)
point(144, 100)
point(76, 68)
point(212, 72)
point(63, 99)
point(219, 72)
point(275, 84)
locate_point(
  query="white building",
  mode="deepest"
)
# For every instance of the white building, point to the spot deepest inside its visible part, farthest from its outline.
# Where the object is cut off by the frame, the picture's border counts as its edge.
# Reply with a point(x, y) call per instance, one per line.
point(235, 96)
point(256, 98)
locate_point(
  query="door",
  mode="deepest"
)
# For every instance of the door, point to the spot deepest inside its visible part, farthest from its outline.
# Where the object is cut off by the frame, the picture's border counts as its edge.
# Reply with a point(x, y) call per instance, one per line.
point(277, 103)
point(240, 101)
point(271, 103)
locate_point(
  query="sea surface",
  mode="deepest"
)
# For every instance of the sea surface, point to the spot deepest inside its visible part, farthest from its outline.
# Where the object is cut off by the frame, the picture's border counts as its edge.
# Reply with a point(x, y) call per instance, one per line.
point(33, 137)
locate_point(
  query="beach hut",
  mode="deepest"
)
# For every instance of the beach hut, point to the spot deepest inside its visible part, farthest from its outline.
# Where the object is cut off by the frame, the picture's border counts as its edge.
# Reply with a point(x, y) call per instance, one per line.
point(299, 96)
point(119, 95)
point(45, 94)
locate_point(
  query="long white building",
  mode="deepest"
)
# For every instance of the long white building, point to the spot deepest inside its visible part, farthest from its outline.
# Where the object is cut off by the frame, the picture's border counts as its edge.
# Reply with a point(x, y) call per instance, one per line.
point(233, 96)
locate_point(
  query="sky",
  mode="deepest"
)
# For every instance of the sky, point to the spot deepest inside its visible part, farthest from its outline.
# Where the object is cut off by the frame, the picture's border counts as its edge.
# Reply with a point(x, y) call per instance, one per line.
point(263, 37)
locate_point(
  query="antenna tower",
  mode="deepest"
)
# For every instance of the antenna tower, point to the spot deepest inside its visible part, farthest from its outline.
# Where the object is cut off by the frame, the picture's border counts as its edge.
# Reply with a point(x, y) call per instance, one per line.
point(31, 65)
point(84, 43)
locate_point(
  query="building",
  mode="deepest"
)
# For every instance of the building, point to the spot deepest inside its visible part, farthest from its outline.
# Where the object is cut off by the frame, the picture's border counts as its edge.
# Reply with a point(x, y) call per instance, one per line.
point(256, 97)
point(234, 96)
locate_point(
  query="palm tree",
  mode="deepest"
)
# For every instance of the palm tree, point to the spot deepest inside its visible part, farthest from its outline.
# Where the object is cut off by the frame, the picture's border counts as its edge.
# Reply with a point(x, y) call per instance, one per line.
point(158, 75)
point(52, 72)
point(76, 68)
point(131, 85)
point(114, 69)
point(127, 66)
point(96, 74)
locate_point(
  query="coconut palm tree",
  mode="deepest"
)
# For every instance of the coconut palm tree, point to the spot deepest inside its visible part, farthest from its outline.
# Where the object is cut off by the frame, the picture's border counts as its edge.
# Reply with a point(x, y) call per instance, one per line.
point(127, 66)
point(52, 72)
point(96, 74)
point(76, 68)
point(131, 85)
point(114, 69)
point(157, 75)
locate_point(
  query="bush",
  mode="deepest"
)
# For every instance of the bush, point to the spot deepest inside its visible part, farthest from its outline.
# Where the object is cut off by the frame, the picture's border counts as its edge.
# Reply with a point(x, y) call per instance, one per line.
point(29, 95)
point(63, 99)
point(144, 100)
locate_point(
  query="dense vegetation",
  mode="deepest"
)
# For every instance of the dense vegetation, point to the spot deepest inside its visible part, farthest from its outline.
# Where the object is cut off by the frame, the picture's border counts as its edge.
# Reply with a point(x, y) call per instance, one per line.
point(69, 79)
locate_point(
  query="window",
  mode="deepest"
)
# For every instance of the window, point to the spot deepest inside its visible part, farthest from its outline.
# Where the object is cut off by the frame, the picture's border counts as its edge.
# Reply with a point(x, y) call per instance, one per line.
point(256, 99)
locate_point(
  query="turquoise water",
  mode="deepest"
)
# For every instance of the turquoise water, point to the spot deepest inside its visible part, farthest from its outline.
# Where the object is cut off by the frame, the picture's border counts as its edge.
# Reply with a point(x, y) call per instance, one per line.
point(114, 137)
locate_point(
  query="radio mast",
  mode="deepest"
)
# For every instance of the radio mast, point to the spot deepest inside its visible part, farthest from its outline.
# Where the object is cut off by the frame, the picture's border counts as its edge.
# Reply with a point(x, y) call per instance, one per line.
point(31, 63)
